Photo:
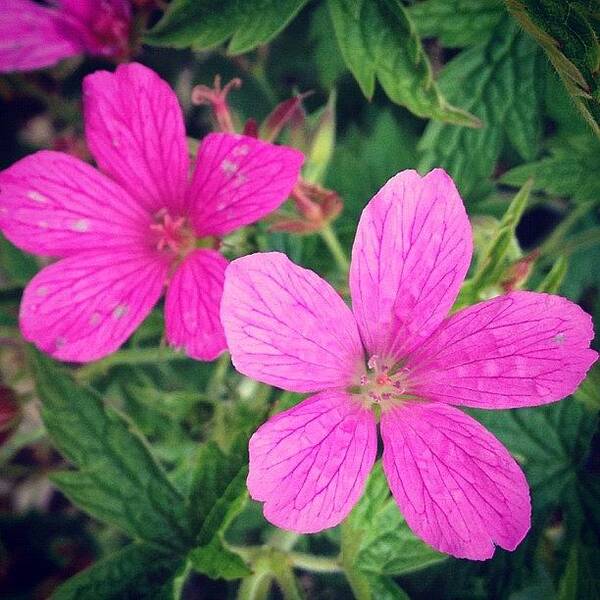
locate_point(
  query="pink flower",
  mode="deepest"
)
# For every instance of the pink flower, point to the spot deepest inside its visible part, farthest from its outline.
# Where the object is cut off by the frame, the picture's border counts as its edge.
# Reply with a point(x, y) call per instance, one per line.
point(123, 232)
point(399, 352)
point(34, 35)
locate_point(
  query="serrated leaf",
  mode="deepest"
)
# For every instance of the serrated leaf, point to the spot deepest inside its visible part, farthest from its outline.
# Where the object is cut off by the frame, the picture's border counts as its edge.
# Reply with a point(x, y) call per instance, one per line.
point(137, 571)
point(456, 23)
point(209, 23)
point(497, 80)
point(569, 33)
point(117, 478)
point(217, 562)
point(551, 443)
point(565, 172)
point(382, 543)
point(218, 491)
point(378, 40)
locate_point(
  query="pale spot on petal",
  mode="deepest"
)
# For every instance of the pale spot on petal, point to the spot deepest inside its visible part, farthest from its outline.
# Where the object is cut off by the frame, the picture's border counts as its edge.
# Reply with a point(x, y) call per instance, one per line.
point(37, 197)
point(120, 311)
point(42, 290)
point(95, 319)
point(81, 225)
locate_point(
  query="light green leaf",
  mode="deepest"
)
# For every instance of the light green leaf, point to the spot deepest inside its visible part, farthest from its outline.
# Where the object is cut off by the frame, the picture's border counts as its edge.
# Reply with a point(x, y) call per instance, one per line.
point(216, 562)
point(137, 571)
point(581, 579)
point(456, 23)
point(377, 536)
point(569, 33)
point(209, 23)
point(498, 81)
point(378, 40)
point(553, 280)
point(117, 478)
point(565, 171)
point(17, 266)
point(501, 250)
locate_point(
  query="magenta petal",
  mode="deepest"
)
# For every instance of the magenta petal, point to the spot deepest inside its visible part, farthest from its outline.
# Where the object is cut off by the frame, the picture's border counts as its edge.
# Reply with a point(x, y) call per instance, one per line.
point(238, 180)
point(192, 305)
point(521, 349)
point(54, 204)
point(84, 307)
point(411, 253)
point(33, 36)
point(456, 484)
point(134, 128)
point(286, 326)
point(309, 464)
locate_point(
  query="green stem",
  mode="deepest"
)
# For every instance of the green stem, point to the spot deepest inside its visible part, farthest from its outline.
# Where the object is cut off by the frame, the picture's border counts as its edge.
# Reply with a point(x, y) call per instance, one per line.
point(131, 356)
point(335, 248)
point(219, 373)
point(315, 564)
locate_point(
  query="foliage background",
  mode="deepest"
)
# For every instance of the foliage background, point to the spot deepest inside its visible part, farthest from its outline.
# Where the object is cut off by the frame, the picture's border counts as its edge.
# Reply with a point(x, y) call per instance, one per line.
point(136, 464)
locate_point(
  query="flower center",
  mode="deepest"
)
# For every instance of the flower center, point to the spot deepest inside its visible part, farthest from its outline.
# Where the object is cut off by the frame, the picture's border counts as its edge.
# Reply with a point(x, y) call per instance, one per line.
point(172, 234)
point(383, 384)
point(109, 32)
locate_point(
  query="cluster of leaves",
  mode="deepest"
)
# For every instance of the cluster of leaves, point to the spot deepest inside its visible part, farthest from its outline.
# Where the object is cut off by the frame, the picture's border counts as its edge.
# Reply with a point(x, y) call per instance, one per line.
point(503, 95)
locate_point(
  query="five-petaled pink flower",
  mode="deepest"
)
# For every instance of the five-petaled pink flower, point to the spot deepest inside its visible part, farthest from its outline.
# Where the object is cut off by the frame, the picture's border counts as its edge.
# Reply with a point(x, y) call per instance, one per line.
point(138, 223)
point(34, 35)
point(457, 486)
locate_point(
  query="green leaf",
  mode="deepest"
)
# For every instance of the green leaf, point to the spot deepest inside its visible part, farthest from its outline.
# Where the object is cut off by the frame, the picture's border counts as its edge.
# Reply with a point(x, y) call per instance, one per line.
point(378, 40)
point(18, 267)
point(138, 571)
point(117, 479)
point(568, 30)
point(581, 579)
point(377, 537)
point(553, 280)
point(497, 80)
point(589, 390)
point(551, 443)
point(456, 23)
point(218, 491)
point(497, 255)
point(217, 562)
point(208, 23)
point(565, 172)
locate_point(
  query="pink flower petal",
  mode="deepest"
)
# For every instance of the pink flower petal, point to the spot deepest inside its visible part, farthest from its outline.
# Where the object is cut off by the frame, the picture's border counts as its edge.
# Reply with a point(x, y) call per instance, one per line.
point(134, 128)
point(192, 305)
point(33, 36)
point(84, 307)
point(239, 180)
point(309, 464)
point(521, 349)
point(54, 204)
point(457, 486)
point(286, 326)
point(411, 253)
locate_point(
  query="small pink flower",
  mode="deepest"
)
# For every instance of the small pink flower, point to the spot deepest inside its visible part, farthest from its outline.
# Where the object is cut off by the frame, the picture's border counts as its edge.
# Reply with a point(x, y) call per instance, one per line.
point(457, 486)
point(33, 35)
point(125, 231)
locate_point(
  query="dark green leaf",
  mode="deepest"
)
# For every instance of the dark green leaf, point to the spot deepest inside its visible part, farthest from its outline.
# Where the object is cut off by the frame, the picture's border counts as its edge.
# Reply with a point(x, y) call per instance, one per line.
point(457, 23)
point(565, 172)
point(17, 266)
point(498, 81)
point(581, 579)
point(381, 541)
point(211, 22)
point(569, 32)
point(138, 571)
point(117, 478)
point(377, 40)
point(551, 442)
